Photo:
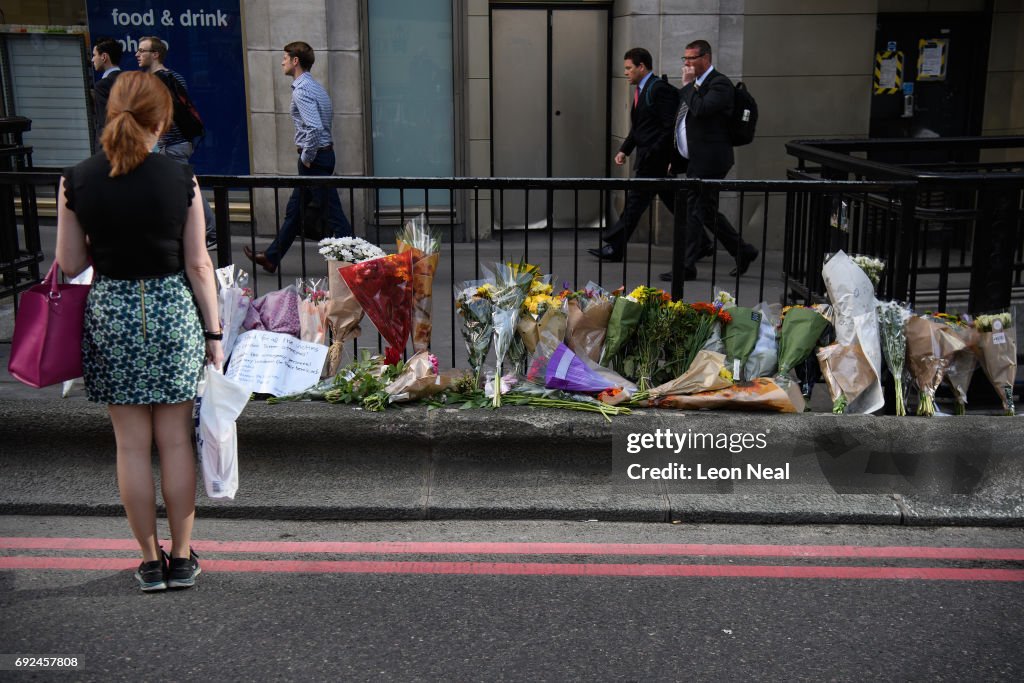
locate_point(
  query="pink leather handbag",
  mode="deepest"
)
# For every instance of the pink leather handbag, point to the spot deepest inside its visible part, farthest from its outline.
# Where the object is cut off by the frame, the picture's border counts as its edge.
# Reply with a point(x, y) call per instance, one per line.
point(47, 344)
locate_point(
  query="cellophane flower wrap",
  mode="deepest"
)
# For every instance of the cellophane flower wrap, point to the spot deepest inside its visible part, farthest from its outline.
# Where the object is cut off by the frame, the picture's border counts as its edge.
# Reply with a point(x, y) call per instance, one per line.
point(964, 362)
point(425, 245)
point(567, 372)
point(383, 287)
point(420, 378)
point(511, 286)
point(343, 310)
point(997, 352)
point(892, 325)
point(473, 303)
point(645, 351)
point(622, 324)
point(587, 312)
point(740, 337)
point(276, 311)
point(930, 349)
point(855, 321)
point(313, 300)
point(233, 298)
point(761, 394)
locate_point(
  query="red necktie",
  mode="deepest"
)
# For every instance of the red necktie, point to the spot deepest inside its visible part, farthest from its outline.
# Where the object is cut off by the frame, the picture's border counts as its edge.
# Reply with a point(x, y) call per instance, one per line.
point(636, 97)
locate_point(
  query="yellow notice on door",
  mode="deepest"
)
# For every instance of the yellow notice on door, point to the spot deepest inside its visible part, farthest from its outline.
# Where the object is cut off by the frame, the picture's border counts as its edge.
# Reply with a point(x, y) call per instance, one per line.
point(931, 59)
point(888, 72)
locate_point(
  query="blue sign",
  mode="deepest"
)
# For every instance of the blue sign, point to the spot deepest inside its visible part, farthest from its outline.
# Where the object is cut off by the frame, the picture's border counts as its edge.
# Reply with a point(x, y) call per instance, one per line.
point(891, 46)
point(204, 44)
point(908, 87)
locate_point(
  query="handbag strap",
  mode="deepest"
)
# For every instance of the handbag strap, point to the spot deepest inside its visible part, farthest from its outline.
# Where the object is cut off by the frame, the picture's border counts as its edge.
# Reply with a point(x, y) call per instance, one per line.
point(51, 280)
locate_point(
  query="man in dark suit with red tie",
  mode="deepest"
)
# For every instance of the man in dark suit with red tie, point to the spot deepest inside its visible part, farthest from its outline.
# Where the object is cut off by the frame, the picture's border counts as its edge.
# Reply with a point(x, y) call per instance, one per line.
point(652, 117)
point(704, 150)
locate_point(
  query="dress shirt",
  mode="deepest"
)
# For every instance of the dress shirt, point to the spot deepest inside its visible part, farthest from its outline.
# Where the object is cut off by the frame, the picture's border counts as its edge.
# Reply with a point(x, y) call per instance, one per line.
point(311, 113)
point(681, 144)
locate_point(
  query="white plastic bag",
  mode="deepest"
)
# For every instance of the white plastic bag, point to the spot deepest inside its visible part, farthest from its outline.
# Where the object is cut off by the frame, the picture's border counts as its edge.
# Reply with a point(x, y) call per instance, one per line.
point(855, 320)
point(83, 278)
point(218, 405)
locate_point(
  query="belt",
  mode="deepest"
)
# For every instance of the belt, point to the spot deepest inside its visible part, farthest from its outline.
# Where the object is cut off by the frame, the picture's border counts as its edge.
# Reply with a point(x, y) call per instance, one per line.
point(328, 148)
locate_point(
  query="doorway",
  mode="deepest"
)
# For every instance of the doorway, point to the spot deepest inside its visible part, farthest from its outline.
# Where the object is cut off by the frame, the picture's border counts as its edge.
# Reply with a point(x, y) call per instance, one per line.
point(940, 89)
point(550, 108)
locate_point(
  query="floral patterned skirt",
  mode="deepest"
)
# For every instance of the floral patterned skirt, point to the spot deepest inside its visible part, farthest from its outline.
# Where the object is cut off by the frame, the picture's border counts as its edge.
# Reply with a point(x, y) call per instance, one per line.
point(142, 341)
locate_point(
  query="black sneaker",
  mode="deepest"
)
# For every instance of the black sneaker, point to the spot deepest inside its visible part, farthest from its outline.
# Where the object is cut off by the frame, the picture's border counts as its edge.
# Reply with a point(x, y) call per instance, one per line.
point(183, 571)
point(152, 576)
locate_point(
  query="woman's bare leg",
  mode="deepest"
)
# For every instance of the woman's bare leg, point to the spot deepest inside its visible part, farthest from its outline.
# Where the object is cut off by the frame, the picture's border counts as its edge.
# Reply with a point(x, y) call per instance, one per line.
point(133, 431)
point(173, 430)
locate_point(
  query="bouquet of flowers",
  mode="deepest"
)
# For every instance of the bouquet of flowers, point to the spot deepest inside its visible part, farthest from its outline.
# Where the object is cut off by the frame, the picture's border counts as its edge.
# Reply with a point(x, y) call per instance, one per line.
point(622, 324)
point(997, 351)
point(930, 349)
point(759, 394)
point(276, 311)
point(511, 286)
point(382, 286)
point(652, 333)
point(740, 336)
point(349, 249)
point(567, 372)
point(707, 372)
point(853, 304)
point(871, 266)
point(847, 373)
point(798, 335)
point(587, 313)
point(425, 245)
point(764, 359)
point(312, 310)
point(540, 315)
point(964, 362)
point(343, 310)
point(233, 298)
point(693, 327)
point(892, 322)
point(418, 379)
point(473, 303)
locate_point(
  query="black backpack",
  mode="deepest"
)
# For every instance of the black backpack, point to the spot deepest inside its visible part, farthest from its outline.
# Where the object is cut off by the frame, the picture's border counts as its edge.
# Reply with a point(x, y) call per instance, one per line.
point(744, 117)
point(186, 116)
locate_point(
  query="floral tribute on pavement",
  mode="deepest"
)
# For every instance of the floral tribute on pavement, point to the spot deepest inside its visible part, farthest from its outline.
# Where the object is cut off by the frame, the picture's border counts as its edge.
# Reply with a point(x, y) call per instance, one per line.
point(611, 351)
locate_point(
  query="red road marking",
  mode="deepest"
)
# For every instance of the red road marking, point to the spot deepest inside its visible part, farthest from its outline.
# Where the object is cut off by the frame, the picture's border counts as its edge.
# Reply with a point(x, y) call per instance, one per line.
point(537, 569)
point(482, 548)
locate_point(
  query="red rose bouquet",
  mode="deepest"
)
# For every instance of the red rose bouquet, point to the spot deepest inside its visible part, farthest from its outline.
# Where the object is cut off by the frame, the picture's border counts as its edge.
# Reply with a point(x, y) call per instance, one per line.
point(383, 287)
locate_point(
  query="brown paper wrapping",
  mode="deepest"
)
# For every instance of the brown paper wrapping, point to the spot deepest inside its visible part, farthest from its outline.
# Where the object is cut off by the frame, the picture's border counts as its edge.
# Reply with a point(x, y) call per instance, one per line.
point(999, 361)
point(418, 380)
point(930, 348)
point(343, 316)
point(586, 329)
point(846, 369)
point(761, 394)
point(703, 375)
point(549, 329)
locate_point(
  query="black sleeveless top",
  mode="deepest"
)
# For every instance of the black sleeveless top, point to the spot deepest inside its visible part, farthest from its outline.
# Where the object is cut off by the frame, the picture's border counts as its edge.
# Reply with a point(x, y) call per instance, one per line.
point(135, 222)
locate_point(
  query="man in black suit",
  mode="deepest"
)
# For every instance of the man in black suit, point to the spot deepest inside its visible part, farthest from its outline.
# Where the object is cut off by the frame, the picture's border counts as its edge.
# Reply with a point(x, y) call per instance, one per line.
point(704, 150)
point(652, 115)
point(106, 60)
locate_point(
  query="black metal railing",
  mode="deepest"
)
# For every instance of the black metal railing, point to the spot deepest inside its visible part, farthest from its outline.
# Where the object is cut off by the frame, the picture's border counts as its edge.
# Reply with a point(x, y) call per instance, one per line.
point(789, 221)
point(963, 224)
point(20, 253)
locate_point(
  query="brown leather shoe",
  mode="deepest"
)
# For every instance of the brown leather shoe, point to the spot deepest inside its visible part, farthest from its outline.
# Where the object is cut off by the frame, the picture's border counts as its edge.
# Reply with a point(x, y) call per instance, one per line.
point(259, 258)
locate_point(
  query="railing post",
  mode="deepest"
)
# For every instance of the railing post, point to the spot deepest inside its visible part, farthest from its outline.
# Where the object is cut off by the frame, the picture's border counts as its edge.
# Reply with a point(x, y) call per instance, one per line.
point(903, 251)
point(994, 248)
point(223, 216)
point(679, 220)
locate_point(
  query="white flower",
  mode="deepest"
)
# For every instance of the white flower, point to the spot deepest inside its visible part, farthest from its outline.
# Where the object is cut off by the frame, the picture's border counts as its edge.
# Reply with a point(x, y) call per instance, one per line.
point(351, 249)
point(725, 298)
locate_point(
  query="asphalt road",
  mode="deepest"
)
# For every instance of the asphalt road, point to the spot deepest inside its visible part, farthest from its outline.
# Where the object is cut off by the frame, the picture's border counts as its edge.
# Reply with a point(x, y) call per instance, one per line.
point(470, 601)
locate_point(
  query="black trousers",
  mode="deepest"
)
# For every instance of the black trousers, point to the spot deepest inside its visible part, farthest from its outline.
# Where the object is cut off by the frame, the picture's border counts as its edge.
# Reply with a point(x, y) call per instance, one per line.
point(703, 217)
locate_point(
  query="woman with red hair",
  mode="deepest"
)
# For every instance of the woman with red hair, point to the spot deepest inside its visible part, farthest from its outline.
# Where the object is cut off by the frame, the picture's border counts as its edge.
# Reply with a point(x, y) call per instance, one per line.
point(151, 318)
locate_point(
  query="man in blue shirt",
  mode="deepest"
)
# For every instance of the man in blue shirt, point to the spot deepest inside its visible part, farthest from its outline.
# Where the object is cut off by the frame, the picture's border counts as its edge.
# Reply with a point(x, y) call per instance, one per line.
point(311, 112)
